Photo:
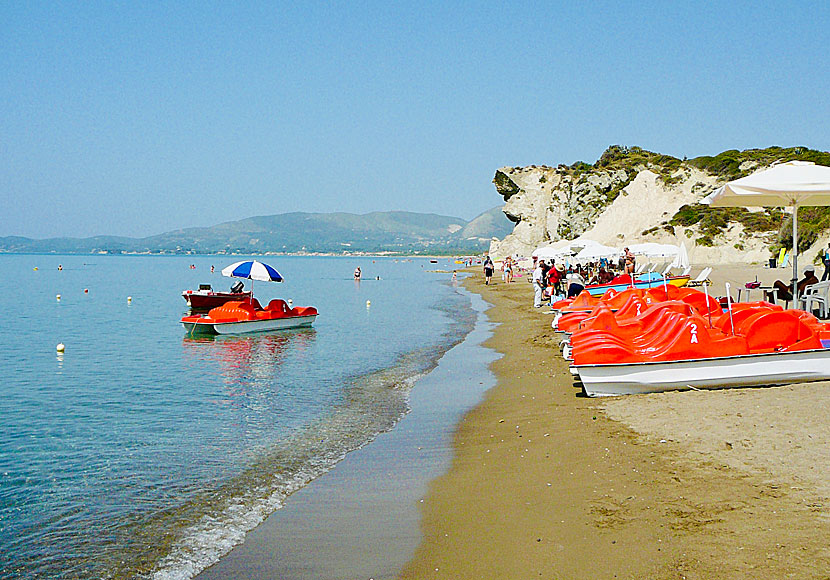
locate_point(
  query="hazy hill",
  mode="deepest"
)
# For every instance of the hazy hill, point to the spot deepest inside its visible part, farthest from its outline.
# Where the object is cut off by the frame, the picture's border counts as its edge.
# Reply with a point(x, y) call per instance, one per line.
point(396, 231)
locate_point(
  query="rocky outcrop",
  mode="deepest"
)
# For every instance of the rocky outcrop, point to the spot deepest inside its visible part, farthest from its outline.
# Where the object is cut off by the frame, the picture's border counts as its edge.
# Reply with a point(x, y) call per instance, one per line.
point(549, 204)
point(631, 195)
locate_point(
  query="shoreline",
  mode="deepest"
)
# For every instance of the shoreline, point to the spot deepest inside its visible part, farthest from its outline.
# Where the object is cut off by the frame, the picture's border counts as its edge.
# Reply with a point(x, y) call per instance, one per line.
point(361, 518)
point(546, 483)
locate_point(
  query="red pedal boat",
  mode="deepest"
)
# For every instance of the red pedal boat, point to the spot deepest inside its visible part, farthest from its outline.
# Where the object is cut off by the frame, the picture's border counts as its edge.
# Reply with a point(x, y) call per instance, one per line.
point(665, 349)
point(248, 316)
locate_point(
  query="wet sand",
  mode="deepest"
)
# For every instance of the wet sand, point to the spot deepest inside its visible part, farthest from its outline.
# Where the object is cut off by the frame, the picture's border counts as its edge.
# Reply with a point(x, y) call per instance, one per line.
point(361, 519)
point(546, 483)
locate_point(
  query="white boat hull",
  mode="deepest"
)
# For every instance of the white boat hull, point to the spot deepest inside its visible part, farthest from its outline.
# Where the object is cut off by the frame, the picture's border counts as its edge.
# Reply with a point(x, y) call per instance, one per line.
point(713, 373)
point(249, 326)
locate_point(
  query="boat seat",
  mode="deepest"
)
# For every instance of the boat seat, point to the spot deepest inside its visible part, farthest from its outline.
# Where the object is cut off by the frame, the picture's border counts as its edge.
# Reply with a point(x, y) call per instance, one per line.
point(277, 305)
point(701, 302)
point(740, 312)
point(693, 340)
point(661, 293)
point(775, 331)
point(634, 306)
point(233, 311)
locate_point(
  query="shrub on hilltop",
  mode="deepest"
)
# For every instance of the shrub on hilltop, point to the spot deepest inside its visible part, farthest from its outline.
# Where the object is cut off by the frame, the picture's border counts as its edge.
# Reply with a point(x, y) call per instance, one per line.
point(712, 221)
point(733, 164)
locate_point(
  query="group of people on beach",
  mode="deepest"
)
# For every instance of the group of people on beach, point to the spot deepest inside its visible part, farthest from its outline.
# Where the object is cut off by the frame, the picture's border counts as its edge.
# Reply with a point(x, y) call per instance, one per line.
point(551, 279)
point(554, 279)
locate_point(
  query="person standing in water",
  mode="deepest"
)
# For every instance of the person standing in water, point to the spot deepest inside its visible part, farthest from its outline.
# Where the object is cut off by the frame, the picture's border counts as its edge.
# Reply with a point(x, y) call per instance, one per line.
point(357, 273)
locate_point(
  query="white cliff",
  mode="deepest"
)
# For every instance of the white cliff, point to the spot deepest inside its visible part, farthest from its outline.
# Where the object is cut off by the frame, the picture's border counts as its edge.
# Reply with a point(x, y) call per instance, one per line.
point(630, 196)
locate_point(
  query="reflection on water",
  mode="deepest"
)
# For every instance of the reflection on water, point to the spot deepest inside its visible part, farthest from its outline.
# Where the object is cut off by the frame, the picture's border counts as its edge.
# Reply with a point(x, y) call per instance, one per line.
point(136, 446)
point(249, 359)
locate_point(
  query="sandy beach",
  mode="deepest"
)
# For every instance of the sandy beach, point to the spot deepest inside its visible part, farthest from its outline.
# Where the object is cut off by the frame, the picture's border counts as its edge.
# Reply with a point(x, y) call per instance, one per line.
point(546, 483)
point(361, 519)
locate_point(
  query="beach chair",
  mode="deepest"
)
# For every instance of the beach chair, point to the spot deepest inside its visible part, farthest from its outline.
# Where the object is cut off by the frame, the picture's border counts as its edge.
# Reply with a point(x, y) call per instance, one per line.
point(666, 271)
point(686, 271)
point(701, 279)
point(817, 295)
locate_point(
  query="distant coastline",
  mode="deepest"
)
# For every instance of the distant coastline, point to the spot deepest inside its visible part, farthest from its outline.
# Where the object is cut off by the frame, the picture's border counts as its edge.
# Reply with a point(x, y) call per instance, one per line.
point(304, 234)
point(291, 254)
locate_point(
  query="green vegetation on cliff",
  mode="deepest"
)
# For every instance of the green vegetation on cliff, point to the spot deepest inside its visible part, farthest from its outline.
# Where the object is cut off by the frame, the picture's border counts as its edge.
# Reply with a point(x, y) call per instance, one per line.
point(812, 222)
point(734, 164)
point(712, 221)
point(728, 165)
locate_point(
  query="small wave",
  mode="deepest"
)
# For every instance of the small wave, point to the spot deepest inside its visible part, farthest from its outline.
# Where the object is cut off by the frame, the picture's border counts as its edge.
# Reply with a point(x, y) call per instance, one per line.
point(372, 404)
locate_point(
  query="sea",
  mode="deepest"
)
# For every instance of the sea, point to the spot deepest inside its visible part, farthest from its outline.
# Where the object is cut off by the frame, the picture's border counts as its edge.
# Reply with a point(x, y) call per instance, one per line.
point(140, 452)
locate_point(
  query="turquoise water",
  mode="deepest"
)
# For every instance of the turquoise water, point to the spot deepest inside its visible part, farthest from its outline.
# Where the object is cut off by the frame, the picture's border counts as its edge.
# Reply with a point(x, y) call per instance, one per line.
point(142, 453)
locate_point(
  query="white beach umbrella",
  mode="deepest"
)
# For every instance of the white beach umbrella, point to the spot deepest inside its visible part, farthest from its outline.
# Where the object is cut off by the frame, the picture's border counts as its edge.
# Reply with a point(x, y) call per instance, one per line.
point(654, 250)
point(597, 251)
point(681, 260)
point(790, 184)
point(553, 251)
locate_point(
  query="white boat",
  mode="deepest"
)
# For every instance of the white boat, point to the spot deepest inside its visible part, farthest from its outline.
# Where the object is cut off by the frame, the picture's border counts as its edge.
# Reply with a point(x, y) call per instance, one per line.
point(777, 368)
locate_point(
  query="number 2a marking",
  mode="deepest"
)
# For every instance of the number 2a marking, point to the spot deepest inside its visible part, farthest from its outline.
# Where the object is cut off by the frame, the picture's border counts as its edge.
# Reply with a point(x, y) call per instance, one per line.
point(694, 334)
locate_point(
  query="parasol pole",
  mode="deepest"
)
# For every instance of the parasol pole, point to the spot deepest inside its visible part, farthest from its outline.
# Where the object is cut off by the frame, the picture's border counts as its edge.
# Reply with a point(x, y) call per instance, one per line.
point(729, 307)
point(708, 306)
point(795, 254)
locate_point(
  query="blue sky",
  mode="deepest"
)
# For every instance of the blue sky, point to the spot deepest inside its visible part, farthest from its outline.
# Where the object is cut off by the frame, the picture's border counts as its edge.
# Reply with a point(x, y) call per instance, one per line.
point(141, 117)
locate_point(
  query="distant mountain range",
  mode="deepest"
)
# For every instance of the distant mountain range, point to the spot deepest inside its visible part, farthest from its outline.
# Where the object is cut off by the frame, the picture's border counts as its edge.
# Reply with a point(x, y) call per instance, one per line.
point(337, 233)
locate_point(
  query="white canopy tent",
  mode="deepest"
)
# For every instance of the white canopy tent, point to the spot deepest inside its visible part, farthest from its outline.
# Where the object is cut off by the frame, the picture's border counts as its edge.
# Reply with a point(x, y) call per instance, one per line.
point(790, 184)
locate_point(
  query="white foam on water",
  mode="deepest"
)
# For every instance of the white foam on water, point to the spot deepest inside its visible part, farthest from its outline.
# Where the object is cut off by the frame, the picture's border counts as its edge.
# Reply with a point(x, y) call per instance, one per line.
point(214, 536)
point(205, 542)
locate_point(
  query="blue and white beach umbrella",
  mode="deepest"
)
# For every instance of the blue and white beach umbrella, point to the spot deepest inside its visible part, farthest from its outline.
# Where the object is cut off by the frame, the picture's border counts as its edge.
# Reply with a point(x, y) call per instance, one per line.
point(252, 270)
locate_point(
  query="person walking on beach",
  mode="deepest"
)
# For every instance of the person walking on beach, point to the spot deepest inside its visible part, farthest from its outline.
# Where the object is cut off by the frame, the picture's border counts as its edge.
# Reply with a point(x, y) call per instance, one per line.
point(826, 260)
point(538, 284)
point(488, 270)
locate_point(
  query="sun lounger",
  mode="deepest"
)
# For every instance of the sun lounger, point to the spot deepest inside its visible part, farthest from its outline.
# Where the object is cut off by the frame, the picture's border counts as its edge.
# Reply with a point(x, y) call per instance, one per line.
point(701, 279)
